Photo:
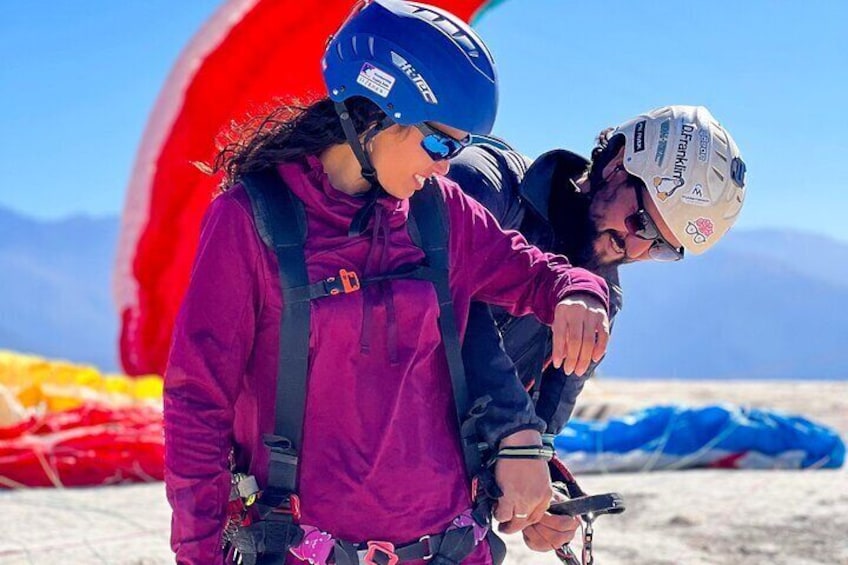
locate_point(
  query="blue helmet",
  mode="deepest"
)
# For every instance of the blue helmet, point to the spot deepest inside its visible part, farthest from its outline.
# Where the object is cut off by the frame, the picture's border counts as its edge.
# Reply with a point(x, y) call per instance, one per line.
point(418, 63)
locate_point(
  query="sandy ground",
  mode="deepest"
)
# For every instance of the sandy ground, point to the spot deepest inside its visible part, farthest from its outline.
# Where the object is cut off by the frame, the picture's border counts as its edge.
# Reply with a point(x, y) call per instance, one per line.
point(684, 517)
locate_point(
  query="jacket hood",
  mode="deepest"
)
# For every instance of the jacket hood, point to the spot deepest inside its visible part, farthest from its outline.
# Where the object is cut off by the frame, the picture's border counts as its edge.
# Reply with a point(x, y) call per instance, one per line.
point(310, 183)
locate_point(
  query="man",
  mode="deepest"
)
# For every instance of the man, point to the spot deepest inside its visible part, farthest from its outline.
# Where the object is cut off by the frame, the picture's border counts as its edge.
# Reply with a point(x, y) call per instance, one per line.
point(667, 182)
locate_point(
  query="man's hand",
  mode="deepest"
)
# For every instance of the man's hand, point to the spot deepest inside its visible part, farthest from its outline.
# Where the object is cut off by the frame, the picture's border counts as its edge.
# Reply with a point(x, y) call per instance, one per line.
point(552, 531)
point(580, 333)
point(526, 484)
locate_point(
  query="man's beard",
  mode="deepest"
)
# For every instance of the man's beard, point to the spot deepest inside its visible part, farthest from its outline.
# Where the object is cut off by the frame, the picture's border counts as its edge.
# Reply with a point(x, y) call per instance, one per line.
point(574, 228)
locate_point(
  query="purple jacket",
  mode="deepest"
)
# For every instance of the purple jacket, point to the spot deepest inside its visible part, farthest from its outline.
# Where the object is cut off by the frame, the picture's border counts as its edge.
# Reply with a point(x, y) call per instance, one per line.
point(381, 457)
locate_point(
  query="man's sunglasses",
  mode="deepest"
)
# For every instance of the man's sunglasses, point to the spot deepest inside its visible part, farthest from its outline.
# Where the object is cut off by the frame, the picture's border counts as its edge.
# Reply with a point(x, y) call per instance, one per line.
point(643, 226)
point(439, 145)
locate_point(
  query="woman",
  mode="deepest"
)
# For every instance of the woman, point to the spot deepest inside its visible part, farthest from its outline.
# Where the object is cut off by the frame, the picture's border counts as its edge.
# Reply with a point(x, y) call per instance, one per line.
point(379, 458)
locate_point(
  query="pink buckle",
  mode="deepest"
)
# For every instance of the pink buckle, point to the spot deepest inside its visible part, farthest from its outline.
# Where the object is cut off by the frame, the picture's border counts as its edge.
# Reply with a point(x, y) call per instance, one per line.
point(315, 547)
point(466, 519)
point(384, 547)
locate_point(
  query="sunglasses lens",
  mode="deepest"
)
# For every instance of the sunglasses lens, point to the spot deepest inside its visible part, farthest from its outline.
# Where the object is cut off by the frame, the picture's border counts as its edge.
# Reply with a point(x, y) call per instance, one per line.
point(440, 146)
point(436, 147)
point(661, 251)
point(640, 225)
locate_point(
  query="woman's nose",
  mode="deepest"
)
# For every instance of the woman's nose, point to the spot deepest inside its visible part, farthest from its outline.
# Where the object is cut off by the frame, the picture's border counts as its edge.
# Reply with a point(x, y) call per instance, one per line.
point(441, 168)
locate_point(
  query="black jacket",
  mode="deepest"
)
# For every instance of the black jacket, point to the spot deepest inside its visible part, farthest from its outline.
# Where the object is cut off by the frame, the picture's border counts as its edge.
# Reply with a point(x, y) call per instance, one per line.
point(505, 356)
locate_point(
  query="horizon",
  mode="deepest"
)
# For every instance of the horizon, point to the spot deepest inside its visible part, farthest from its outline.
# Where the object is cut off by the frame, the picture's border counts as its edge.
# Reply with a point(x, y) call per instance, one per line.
point(88, 216)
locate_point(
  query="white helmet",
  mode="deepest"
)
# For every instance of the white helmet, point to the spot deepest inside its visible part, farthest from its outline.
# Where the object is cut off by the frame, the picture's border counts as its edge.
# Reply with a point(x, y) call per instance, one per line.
point(692, 169)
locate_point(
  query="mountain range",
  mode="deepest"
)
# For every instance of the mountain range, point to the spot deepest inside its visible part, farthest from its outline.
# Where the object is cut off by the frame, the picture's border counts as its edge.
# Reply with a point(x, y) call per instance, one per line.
point(762, 304)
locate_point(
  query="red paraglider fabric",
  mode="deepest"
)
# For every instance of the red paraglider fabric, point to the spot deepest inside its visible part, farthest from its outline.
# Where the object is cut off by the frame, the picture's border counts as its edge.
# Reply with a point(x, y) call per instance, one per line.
point(249, 53)
point(86, 446)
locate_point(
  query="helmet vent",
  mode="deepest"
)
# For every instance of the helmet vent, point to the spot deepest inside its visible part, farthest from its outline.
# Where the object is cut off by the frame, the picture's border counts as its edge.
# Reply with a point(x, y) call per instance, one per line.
point(371, 45)
point(449, 28)
point(339, 51)
point(353, 45)
point(718, 174)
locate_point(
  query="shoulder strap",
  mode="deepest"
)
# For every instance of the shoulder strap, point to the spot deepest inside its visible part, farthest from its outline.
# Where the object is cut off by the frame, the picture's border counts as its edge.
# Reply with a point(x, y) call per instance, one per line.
point(429, 228)
point(281, 222)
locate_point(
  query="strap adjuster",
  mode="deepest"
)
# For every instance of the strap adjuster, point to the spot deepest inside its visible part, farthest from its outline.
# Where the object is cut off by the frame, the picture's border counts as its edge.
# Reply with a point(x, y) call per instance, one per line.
point(386, 548)
point(346, 282)
point(290, 506)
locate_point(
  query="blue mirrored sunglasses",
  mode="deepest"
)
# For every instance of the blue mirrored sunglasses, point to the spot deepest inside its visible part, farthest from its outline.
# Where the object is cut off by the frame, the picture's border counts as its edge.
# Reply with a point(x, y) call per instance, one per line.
point(440, 146)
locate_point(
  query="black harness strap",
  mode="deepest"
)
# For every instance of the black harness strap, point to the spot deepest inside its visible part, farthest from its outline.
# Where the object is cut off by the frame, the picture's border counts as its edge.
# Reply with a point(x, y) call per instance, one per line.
point(281, 223)
point(429, 229)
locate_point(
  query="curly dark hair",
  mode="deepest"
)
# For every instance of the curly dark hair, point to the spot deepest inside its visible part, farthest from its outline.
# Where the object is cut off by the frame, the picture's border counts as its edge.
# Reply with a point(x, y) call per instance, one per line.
point(606, 147)
point(289, 132)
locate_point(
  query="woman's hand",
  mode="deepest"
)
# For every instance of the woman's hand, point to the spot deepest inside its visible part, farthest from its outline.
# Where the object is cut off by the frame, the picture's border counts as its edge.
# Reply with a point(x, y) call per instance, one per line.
point(580, 333)
point(526, 485)
point(552, 531)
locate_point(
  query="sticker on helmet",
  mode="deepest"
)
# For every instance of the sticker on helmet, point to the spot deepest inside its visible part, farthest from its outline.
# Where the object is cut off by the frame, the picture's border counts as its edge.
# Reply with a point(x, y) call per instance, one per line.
point(697, 196)
point(416, 78)
point(375, 80)
point(666, 186)
point(700, 230)
point(659, 156)
point(639, 137)
point(681, 160)
point(737, 171)
point(703, 145)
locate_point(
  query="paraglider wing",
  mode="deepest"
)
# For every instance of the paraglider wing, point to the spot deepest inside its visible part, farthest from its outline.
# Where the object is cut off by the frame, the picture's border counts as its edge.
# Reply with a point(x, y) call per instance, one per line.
point(249, 53)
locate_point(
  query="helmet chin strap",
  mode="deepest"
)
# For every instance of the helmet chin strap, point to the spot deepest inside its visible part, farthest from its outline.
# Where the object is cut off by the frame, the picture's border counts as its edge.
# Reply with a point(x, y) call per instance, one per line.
point(363, 215)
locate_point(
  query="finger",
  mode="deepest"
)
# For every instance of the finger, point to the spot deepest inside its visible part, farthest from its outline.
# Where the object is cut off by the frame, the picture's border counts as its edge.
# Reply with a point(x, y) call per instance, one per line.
point(559, 524)
point(601, 341)
point(573, 341)
point(559, 328)
point(587, 346)
point(504, 510)
point(538, 539)
point(534, 540)
point(538, 512)
point(517, 523)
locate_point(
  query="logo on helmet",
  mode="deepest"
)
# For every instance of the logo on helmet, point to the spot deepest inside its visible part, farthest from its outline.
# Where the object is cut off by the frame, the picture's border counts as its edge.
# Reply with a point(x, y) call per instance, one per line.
point(415, 77)
point(639, 137)
point(703, 145)
point(698, 196)
point(666, 186)
point(659, 157)
point(700, 230)
point(681, 161)
point(375, 80)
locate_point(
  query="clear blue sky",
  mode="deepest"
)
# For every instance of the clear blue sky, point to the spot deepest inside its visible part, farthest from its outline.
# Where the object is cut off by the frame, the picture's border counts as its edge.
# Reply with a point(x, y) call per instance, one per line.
point(78, 79)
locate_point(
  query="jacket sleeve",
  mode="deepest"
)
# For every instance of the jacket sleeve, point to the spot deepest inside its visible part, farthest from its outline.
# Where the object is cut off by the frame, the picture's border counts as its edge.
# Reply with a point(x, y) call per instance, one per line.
point(558, 392)
point(558, 397)
point(212, 341)
point(484, 173)
point(501, 268)
point(490, 371)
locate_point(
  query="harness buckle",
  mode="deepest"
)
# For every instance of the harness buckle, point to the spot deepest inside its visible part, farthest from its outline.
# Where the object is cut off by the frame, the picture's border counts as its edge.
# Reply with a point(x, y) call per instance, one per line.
point(290, 506)
point(346, 282)
point(386, 548)
point(430, 553)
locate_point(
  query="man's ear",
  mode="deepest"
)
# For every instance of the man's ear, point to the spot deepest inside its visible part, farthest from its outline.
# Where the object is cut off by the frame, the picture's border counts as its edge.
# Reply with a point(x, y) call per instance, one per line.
point(614, 162)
